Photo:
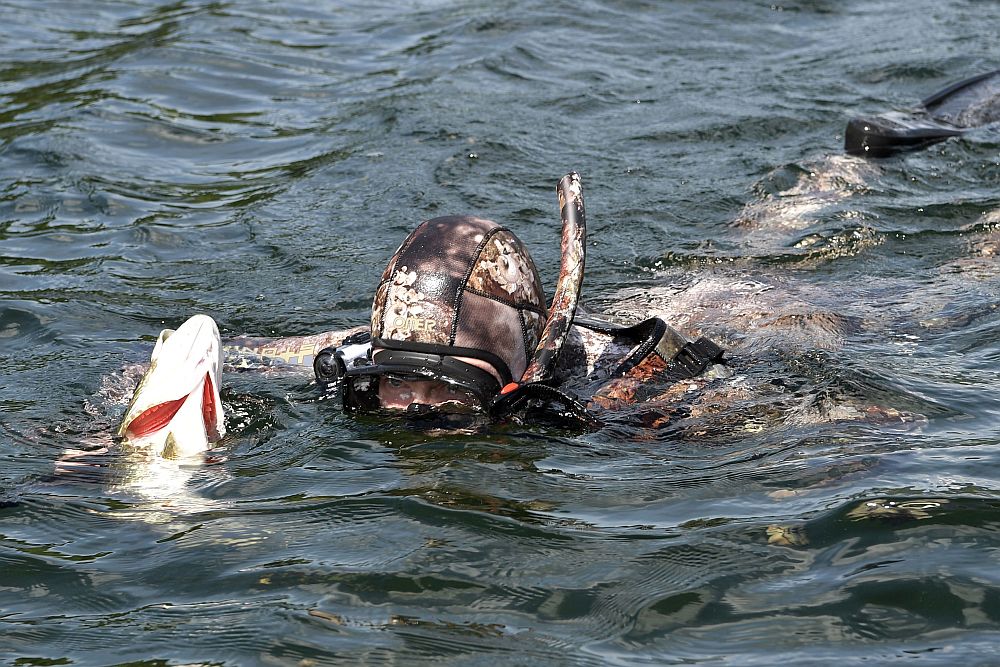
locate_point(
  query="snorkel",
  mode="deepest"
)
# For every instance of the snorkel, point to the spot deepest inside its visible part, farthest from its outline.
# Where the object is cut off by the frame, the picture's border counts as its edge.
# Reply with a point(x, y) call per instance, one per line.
point(567, 294)
point(536, 379)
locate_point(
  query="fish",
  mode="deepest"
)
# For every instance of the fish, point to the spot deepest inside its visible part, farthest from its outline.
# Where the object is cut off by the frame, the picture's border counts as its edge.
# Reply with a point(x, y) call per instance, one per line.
point(176, 410)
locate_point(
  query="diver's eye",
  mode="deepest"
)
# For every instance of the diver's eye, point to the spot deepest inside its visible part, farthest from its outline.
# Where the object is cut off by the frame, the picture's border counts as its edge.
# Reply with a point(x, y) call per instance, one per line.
point(396, 383)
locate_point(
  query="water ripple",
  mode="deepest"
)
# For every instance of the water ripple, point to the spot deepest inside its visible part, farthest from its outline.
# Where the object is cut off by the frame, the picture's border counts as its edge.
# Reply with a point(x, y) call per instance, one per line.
point(829, 497)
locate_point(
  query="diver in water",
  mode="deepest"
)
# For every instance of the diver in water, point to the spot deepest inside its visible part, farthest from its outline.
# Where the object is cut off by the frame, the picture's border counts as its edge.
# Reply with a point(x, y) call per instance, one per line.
point(459, 326)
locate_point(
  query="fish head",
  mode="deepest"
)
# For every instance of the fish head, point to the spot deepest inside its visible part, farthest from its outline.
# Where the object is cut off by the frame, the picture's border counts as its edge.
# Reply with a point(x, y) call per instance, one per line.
point(176, 410)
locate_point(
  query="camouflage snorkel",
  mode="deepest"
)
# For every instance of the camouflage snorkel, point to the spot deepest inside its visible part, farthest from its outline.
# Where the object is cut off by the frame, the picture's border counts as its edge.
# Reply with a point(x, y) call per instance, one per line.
point(536, 379)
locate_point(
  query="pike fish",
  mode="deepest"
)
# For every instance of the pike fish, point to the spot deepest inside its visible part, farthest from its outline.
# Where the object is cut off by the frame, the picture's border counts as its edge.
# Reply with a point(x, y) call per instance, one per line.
point(176, 410)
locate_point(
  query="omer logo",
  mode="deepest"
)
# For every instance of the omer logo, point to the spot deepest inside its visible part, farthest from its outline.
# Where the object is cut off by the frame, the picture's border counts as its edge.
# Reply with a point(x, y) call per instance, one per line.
point(414, 323)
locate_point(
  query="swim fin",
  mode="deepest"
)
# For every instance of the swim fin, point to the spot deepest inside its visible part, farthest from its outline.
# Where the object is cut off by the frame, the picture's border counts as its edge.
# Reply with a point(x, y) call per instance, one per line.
point(947, 113)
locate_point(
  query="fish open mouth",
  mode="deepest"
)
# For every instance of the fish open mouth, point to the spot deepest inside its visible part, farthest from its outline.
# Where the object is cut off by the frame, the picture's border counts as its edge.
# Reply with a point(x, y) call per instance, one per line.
point(159, 416)
point(176, 407)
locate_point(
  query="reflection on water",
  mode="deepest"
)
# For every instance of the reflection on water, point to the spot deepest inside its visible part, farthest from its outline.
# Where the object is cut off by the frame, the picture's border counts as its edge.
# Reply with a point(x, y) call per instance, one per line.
point(829, 498)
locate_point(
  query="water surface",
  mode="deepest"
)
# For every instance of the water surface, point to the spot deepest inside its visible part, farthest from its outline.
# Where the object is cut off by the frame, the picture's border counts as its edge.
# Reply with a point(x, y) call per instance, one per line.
point(259, 162)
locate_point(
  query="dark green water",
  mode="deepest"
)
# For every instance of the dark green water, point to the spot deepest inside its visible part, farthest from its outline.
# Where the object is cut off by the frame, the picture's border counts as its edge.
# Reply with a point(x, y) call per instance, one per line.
point(259, 162)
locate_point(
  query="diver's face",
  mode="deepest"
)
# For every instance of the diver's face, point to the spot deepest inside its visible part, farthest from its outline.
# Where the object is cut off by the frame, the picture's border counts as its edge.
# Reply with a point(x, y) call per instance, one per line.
point(412, 394)
point(402, 394)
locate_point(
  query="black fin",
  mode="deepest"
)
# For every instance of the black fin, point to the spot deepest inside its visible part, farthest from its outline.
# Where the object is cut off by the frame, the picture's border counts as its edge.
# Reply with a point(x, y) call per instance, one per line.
point(950, 112)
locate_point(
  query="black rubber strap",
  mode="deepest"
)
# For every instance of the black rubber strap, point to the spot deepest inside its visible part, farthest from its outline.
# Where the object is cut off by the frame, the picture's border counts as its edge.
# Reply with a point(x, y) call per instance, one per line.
point(692, 359)
point(357, 338)
point(449, 351)
point(635, 332)
point(444, 365)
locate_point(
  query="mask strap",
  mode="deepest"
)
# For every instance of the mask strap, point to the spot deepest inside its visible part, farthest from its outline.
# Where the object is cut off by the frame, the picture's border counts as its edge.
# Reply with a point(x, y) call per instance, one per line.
point(447, 351)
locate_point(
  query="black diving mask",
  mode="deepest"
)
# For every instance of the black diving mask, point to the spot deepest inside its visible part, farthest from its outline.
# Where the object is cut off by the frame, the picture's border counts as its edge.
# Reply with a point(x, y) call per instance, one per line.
point(408, 393)
point(419, 382)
